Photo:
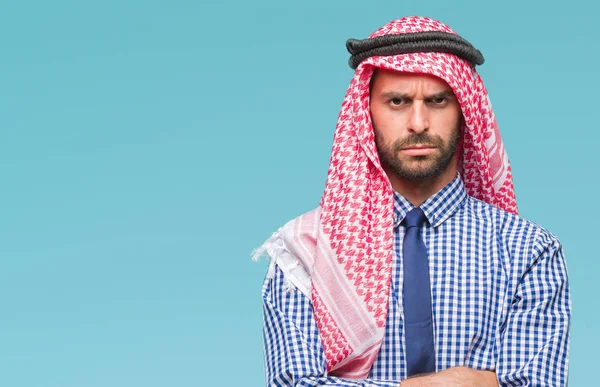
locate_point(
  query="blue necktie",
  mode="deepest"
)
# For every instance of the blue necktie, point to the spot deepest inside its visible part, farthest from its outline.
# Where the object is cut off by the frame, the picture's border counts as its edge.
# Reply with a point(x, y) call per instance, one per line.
point(418, 324)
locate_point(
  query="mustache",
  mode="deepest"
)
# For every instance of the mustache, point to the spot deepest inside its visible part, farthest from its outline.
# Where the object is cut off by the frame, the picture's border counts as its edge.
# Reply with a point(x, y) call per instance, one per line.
point(421, 139)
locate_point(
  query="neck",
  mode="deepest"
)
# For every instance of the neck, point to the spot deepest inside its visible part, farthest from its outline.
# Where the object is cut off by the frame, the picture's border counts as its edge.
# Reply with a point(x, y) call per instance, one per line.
point(417, 191)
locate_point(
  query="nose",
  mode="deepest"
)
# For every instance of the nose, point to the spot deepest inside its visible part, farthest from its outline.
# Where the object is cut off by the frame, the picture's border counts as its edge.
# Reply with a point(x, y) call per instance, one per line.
point(419, 117)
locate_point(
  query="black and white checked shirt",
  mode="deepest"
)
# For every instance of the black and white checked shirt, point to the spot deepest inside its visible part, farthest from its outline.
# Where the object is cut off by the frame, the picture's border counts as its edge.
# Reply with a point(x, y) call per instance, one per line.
point(500, 297)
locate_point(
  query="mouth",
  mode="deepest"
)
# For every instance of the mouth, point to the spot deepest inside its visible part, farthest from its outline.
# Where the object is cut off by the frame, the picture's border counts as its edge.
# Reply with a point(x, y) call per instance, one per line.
point(418, 146)
point(418, 150)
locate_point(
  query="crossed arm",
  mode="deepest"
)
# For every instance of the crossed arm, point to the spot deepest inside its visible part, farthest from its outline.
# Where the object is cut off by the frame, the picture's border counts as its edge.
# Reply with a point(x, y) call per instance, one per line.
point(294, 357)
point(454, 377)
point(531, 350)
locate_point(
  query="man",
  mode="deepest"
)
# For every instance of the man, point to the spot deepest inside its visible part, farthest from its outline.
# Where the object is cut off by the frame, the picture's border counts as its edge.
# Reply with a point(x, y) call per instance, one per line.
point(415, 269)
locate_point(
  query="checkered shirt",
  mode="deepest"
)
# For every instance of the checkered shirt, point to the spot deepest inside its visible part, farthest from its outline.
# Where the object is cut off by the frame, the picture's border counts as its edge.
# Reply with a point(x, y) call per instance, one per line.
point(500, 298)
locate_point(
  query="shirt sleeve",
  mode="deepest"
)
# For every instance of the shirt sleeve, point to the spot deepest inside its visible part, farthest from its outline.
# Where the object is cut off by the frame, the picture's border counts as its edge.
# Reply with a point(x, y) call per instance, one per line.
point(534, 341)
point(293, 353)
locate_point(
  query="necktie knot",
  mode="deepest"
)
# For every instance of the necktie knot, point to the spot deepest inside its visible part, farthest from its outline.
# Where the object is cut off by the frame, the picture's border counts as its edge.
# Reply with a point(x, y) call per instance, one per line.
point(414, 218)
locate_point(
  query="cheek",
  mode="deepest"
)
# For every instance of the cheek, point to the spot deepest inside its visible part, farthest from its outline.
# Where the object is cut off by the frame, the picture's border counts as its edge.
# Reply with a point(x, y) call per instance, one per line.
point(375, 115)
point(387, 122)
point(448, 122)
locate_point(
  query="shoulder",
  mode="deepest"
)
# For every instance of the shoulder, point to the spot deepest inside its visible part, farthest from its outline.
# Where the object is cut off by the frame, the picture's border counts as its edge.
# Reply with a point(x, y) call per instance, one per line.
point(517, 235)
point(507, 222)
point(291, 249)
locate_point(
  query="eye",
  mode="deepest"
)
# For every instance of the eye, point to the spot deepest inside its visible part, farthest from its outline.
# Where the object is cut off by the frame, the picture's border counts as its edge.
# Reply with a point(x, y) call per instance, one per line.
point(396, 101)
point(438, 101)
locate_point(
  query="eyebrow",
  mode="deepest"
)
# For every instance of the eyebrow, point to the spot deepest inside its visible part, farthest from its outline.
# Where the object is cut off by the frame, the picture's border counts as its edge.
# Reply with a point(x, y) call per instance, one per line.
point(441, 94)
point(397, 94)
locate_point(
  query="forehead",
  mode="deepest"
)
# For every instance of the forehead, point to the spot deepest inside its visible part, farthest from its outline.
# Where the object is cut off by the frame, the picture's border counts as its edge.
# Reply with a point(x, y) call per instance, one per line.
point(390, 80)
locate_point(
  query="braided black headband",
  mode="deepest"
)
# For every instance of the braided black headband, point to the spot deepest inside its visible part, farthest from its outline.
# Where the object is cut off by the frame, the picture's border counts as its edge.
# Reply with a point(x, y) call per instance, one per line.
point(430, 41)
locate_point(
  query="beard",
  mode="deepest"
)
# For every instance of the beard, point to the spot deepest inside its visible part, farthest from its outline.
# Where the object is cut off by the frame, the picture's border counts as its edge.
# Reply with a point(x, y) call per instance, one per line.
point(417, 167)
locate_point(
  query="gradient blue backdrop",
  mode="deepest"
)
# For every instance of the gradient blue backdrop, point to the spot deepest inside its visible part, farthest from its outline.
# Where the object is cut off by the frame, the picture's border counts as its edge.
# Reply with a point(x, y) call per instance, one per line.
point(146, 147)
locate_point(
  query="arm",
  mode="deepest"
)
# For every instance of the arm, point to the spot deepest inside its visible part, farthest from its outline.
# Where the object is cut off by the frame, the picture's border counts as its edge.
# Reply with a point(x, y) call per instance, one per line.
point(293, 353)
point(454, 377)
point(294, 356)
point(534, 341)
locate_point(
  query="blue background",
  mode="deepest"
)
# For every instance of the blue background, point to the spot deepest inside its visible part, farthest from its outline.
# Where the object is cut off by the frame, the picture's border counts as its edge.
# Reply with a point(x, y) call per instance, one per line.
point(146, 147)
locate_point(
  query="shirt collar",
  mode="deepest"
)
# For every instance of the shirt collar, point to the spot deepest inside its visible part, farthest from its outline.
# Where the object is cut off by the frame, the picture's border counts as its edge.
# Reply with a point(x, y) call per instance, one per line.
point(438, 207)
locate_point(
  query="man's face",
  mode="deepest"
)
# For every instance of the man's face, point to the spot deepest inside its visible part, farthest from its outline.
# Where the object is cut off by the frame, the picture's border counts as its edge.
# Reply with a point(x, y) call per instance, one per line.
point(417, 120)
